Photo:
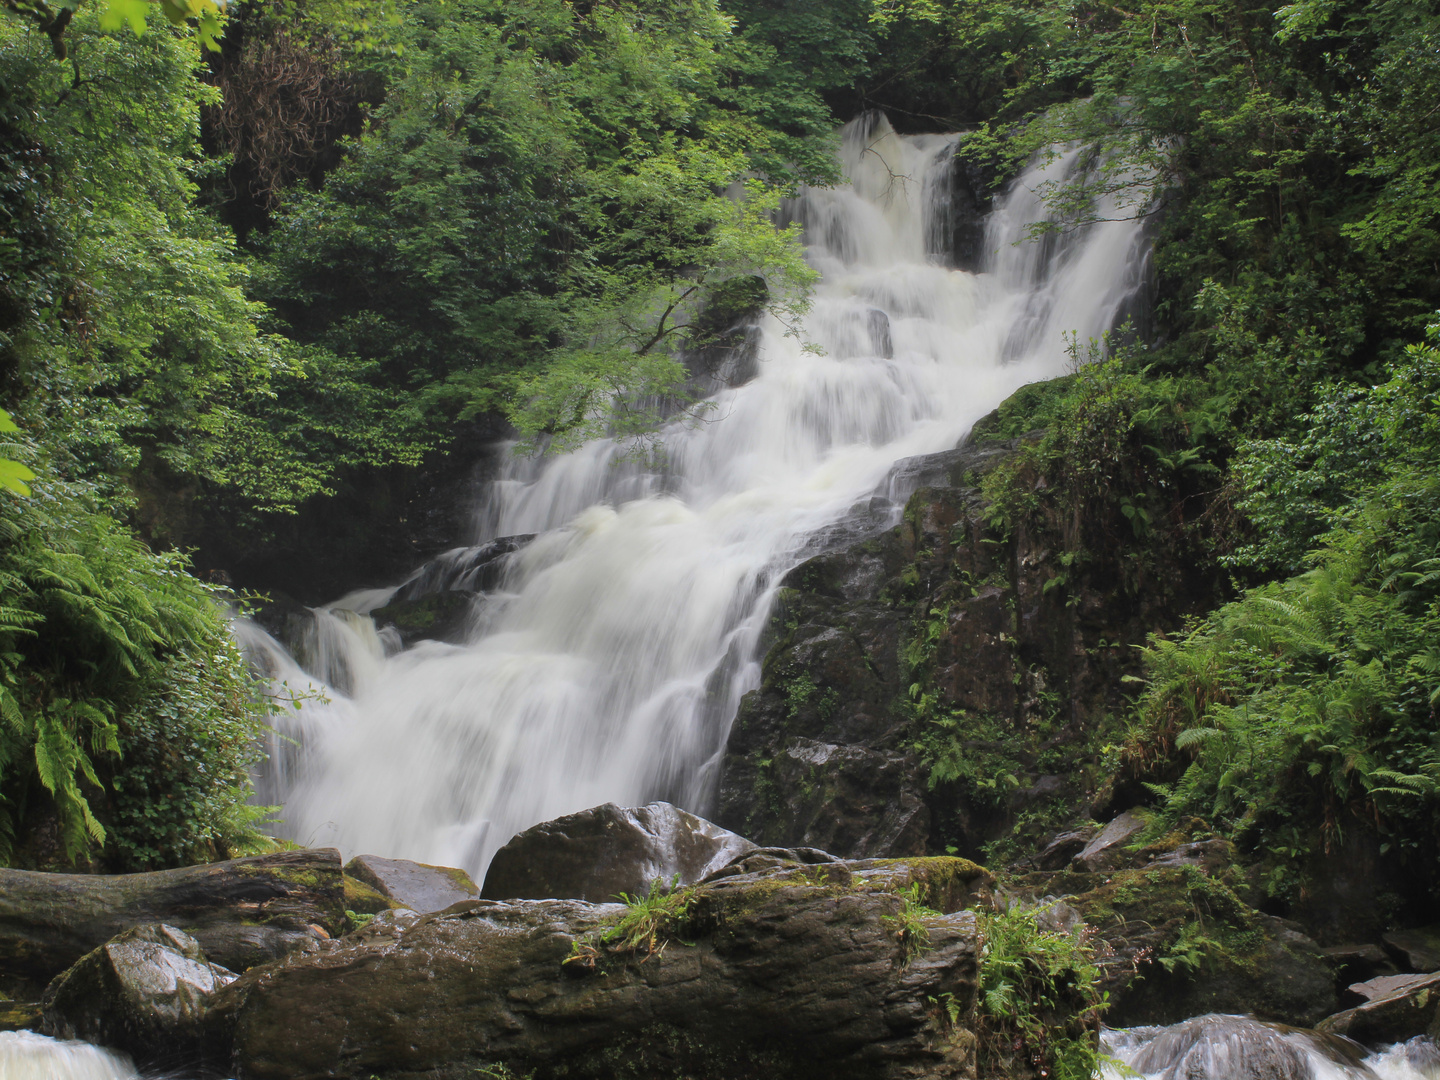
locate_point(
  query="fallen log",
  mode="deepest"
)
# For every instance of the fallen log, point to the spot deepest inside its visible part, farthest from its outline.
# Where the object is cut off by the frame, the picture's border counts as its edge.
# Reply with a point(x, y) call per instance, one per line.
point(243, 912)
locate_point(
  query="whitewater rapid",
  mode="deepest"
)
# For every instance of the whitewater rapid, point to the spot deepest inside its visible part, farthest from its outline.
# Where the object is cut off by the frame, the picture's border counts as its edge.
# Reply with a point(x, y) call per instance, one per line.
point(608, 662)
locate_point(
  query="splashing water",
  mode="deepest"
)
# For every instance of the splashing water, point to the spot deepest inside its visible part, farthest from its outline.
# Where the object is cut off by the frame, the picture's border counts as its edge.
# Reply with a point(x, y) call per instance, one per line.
point(1217, 1047)
point(27, 1056)
point(610, 662)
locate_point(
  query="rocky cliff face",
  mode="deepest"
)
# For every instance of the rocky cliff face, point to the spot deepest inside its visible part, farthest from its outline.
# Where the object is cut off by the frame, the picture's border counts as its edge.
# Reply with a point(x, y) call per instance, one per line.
point(932, 687)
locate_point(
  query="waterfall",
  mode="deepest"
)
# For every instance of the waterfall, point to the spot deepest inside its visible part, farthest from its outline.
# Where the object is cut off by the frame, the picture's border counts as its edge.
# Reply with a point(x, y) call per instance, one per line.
point(27, 1056)
point(612, 649)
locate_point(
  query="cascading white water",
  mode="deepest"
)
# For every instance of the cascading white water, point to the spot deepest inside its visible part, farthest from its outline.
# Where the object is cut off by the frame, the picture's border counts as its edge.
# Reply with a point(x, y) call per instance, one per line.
point(1217, 1047)
point(611, 667)
point(27, 1056)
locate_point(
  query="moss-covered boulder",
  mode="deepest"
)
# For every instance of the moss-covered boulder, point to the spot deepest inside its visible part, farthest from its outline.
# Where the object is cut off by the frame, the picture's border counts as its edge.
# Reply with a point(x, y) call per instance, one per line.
point(1174, 941)
point(418, 886)
point(777, 968)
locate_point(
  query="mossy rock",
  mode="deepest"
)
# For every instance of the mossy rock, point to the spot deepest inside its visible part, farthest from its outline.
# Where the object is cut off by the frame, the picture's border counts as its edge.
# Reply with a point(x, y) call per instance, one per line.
point(1177, 942)
point(364, 899)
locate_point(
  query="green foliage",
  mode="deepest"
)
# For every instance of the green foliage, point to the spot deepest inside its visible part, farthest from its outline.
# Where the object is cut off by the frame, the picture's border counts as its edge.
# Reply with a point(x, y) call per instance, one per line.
point(591, 151)
point(1295, 488)
point(647, 926)
point(127, 711)
point(909, 922)
point(1038, 999)
point(129, 344)
point(1308, 705)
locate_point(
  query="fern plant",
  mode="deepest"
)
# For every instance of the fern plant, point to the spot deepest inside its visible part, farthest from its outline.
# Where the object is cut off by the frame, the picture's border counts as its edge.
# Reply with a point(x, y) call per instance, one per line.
point(126, 718)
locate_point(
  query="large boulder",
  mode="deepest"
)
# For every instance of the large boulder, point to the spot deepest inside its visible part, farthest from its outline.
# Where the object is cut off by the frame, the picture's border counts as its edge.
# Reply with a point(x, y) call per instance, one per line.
point(804, 970)
point(1397, 1008)
point(417, 886)
point(145, 992)
point(242, 912)
point(600, 853)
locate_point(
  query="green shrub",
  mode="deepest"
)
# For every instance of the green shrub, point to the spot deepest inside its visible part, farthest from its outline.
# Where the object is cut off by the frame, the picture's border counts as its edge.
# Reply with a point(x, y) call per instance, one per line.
point(1038, 998)
point(126, 712)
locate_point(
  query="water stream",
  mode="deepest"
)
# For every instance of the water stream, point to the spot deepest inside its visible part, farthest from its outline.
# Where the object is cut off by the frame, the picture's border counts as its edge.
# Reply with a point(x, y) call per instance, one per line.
point(610, 653)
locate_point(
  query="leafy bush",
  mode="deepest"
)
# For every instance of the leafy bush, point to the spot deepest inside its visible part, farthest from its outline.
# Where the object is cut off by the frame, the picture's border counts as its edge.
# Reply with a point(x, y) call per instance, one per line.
point(1037, 998)
point(1308, 705)
point(126, 713)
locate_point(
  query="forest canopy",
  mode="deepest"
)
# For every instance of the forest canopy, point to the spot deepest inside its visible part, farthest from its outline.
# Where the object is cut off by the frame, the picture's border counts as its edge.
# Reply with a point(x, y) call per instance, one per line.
point(258, 255)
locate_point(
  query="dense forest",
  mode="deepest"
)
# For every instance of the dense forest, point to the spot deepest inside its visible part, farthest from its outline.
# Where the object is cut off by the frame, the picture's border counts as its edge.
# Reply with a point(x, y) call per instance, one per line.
point(260, 264)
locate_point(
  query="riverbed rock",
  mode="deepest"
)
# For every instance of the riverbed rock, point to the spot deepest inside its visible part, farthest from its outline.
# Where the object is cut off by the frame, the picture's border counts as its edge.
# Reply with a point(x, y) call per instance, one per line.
point(1417, 949)
point(1398, 1007)
point(794, 969)
point(145, 992)
point(242, 911)
point(417, 886)
point(607, 850)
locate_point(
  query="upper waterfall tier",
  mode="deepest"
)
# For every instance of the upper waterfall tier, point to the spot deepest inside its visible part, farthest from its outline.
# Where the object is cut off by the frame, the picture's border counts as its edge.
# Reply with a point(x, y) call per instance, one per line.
point(609, 663)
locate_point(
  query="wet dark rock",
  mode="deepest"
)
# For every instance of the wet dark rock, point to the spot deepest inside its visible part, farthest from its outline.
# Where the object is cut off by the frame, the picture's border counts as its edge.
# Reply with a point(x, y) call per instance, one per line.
point(792, 970)
point(600, 853)
point(1057, 854)
point(1389, 986)
point(146, 992)
point(1173, 942)
point(1398, 1007)
point(444, 616)
point(1358, 963)
point(1107, 850)
point(877, 326)
point(851, 799)
point(1417, 949)
point(1285, 979)
point(1018, 654)
point(379, 525)
point(242, 912)
point(417, 886)
point(481, 568)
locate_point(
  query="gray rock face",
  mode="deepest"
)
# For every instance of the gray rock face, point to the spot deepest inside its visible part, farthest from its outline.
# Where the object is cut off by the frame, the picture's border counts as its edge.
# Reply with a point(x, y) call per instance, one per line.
point(599, 853)
point(1417, 949)
point(785, 970)
point(1107, 850)
point(417, 886)
point(242, 912)
point(145, 992)
point(1398, 1007)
